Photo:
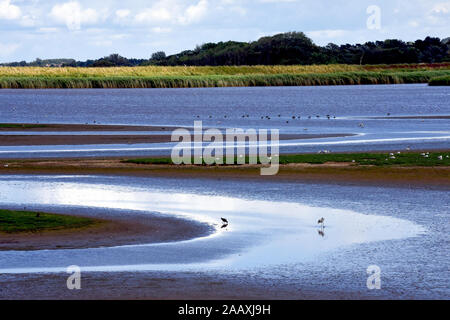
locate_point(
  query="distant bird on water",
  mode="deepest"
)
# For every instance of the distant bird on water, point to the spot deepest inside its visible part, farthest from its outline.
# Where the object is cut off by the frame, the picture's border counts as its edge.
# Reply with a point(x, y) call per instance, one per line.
point(321, 221)
point(224, 223)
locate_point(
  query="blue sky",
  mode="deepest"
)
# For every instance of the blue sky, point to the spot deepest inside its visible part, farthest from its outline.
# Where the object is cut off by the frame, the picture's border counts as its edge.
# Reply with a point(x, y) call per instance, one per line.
point(85, 29)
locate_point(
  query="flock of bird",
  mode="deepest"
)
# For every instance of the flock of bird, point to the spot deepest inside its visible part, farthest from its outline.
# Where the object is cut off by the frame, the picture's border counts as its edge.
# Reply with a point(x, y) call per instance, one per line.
point(293, 117)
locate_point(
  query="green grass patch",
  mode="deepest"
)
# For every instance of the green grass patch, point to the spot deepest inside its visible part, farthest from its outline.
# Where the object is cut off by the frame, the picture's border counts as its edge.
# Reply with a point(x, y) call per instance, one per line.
point(22, 126)
point(374, 159)
point(440, 81)
point(26, 221)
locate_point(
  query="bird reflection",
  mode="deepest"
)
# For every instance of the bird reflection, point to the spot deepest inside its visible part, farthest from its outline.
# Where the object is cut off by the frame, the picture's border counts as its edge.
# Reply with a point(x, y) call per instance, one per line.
point(224, 223)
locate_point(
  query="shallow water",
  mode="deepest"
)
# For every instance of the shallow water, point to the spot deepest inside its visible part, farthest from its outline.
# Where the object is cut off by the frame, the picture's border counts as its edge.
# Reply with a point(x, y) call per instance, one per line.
point(243, 108)
point(272, 227)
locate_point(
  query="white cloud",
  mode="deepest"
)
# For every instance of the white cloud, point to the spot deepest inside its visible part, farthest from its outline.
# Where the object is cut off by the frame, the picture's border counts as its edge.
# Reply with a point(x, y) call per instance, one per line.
point(159, 12)
point(194, 13)
point(9, 11)
point(441, 8)
point(73, 15)
point(122, 13)
point(173, 12)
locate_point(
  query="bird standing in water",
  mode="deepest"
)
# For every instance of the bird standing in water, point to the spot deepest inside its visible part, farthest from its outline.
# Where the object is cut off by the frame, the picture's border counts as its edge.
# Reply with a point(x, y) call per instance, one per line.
point(224, 223)
point(321, 221)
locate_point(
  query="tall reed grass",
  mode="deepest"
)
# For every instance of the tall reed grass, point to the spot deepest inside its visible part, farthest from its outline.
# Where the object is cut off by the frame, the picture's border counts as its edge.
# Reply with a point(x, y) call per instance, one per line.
point(440, 81)
point(150, 71)
point(36, 78)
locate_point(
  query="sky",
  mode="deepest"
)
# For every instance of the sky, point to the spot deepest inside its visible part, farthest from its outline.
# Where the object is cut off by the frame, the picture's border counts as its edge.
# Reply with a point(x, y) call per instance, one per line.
point(90, 29)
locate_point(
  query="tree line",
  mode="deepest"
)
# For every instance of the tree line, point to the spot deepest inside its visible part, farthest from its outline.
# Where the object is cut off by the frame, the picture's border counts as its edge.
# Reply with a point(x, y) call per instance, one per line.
point(291, 48)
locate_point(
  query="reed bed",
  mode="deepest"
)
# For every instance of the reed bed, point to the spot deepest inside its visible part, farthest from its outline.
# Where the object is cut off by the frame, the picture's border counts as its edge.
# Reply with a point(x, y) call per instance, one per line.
point(152, 71)
point(440, 81)
point(178, 71)
point(307, 79)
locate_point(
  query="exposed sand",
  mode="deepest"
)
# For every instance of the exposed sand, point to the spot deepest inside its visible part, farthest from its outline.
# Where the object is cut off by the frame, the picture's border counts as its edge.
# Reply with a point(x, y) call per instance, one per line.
point(179, 286)
point(80, 127)
point(330, 173)
point(111, 229)
point(412, 117)
point(30, 140)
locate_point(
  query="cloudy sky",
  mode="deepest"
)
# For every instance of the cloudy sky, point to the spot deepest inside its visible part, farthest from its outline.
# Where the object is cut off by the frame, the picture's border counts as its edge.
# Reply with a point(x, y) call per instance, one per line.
point(85, 29)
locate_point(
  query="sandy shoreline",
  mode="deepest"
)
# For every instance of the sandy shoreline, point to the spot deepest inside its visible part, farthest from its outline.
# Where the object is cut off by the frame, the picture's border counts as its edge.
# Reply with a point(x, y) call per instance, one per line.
point(114, 228)
point(329, 173)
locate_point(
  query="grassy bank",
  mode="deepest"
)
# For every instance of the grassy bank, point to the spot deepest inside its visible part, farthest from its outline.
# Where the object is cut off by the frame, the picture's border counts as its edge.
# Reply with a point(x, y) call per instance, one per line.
point(187, 77)
point(374, 159)
point(21, 126)
point(25, 221)
point(440, 81)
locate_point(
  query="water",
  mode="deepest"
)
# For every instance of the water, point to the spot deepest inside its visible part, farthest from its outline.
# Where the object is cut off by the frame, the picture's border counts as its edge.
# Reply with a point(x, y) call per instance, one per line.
point(352, 106)
point(272, 232)
point(181, 106)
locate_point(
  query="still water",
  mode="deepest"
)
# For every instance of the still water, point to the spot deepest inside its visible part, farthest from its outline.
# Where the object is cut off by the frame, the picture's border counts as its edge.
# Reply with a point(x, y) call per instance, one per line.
point(273, 228)
point(378, 115)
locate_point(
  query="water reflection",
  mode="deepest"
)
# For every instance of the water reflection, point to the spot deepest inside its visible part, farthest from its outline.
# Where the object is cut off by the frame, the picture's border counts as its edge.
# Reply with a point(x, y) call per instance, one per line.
point(263, 232)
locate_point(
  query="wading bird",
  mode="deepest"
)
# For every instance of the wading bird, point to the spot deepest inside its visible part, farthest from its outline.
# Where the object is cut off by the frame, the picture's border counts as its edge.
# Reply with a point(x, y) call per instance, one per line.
point(321, 221)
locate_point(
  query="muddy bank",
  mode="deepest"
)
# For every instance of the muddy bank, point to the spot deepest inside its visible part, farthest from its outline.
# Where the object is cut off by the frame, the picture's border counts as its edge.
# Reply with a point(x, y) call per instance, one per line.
point(113, 228)
point(329, 173)
point(35, 140)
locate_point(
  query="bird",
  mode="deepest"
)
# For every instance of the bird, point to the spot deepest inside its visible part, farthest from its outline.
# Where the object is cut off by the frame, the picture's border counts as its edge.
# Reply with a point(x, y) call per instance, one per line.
point(38, 215)
point(224, 220)
point(321, 221)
